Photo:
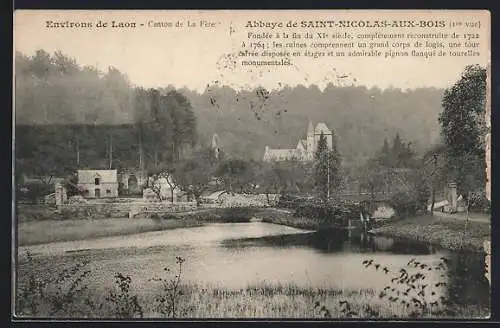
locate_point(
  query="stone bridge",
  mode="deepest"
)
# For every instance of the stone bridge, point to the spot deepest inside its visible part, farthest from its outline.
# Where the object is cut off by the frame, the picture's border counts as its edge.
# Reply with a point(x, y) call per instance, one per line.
point(378, 203)
point(378, 197)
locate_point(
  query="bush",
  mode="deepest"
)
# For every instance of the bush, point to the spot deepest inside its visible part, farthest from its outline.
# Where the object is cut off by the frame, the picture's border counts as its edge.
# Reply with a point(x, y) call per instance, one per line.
point(479, 203)
point(295, 201)
point(62, 295)
point(33, 192)
point(125, 306)
point(412, 291)
point(329, 213)
point(168, 301)
point(403, 204)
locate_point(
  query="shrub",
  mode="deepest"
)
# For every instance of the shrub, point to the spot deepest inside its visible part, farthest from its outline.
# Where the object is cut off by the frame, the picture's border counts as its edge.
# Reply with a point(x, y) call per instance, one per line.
point(416, 288)
point(125, 306)
point(36, 292)
point(413, 291)
point(168, 301)
point(328, 213)
point(33, 192)
point(67, 301)
point(30, 292)
point(479, 203)
point(403, 204)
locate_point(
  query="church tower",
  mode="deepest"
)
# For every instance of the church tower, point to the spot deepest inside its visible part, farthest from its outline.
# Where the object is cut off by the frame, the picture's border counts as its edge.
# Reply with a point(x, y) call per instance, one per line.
point(310, 141)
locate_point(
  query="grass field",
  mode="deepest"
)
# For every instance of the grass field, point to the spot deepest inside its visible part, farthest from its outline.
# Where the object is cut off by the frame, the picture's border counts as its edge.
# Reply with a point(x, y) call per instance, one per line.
point(446, 232)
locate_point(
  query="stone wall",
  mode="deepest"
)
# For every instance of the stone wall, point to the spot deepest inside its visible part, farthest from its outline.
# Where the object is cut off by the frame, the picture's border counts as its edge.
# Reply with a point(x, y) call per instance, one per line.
point(119, 209)
point(247, 200)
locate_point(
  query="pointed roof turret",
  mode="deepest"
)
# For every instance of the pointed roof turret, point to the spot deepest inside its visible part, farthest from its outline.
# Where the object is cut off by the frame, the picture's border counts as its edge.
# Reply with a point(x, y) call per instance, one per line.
point(310, 129)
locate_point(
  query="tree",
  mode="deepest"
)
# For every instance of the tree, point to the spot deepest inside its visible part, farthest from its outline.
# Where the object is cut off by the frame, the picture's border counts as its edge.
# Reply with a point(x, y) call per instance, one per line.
point(166, 124)
point(373, 177)
point(327, 169)
point(163, 174)
point(270, 179)
point(183, 122)
point(397, 147)
point(412, 192)
point(385, 154)
point(236, 174)
point(193, 174)
point(160, 127)
point(463, 128)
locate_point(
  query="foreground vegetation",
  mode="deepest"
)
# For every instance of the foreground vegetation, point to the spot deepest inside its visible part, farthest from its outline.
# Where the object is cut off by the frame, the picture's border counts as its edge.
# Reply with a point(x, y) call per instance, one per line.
point(68, 293)
point(448, 233)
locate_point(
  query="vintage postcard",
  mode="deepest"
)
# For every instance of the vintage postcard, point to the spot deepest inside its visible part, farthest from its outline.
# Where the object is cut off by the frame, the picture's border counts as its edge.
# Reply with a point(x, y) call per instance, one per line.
point(285, 164)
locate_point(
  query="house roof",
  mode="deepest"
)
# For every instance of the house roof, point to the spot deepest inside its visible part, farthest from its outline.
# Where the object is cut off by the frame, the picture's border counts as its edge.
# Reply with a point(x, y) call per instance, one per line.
point(106, 176)
point(215, 195)
point(302, 143)
point(280, 153)
point(322, 128)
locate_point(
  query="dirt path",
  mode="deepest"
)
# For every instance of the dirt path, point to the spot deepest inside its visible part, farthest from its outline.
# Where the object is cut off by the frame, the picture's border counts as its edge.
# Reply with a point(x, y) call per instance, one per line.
point(475, 217)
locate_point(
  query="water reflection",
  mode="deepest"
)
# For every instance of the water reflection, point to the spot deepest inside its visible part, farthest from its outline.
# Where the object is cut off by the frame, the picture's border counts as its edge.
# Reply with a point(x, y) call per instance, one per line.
point(242, 254)
point(335, 241)
point(466, 281)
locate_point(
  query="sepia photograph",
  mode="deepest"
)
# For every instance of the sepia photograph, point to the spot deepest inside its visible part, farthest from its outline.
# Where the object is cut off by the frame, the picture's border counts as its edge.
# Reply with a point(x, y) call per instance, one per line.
point(285, 164)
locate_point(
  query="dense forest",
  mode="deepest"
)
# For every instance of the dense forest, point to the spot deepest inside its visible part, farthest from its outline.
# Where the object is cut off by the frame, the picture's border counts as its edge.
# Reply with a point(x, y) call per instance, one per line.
point(68, 115)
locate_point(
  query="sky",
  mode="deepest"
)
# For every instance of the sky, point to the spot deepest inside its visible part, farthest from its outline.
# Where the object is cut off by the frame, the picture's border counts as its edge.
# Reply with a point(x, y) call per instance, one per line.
point(194, 57)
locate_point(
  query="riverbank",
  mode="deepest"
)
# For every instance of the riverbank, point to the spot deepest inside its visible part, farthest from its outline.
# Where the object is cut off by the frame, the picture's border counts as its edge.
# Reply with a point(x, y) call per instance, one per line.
point(443, 231)
point(265, 301)
point(446, 232)
point(90, 296)
point(48, 231)
point(45, 230)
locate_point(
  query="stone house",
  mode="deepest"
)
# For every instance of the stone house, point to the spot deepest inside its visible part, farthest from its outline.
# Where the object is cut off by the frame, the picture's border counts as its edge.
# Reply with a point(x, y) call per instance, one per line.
point(98, 183)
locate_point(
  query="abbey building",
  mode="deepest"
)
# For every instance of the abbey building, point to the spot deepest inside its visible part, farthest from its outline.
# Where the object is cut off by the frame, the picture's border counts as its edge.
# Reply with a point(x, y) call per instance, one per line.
point(305, 147)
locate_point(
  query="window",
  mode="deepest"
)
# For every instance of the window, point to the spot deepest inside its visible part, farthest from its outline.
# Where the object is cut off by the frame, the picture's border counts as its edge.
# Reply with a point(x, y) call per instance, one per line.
point(97, 181)
point(108, 192)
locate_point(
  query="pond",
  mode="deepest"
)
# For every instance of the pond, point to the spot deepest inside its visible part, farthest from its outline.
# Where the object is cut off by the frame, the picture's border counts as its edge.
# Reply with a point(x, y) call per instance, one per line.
point(235, 255)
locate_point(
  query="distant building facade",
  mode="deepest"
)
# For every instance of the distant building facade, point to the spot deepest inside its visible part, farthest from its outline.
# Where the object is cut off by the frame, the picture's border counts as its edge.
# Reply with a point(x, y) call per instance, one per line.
point(305, 149)
point(132, 180)
point(98, 183)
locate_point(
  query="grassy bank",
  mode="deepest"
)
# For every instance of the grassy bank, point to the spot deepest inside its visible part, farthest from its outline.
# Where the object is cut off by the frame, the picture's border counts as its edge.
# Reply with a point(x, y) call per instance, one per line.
point(45, 230)
point(69, 291)
point(295, 222)
point(252, 302)
point(448, 233)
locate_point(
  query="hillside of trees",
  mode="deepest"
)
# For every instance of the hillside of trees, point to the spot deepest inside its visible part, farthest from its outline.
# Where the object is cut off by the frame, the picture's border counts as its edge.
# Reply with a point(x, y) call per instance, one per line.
point(57, 99)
